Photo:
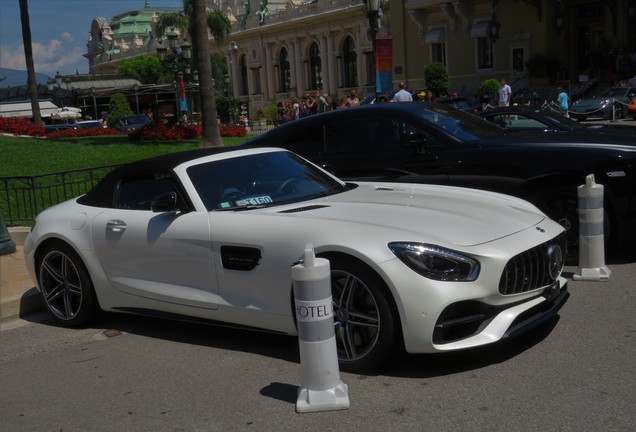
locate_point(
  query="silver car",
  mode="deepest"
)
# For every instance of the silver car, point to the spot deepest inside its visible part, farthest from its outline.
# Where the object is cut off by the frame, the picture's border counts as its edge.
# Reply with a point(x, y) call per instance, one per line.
point(612, 101)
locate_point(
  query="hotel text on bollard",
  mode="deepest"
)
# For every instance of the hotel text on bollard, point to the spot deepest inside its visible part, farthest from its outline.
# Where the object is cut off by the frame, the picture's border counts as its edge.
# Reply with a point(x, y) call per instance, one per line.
point(321, 388)
point(591, 237)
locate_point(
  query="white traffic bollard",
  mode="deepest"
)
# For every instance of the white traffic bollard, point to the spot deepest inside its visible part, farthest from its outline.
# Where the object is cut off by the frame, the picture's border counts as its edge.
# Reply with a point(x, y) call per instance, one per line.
point(321, 388)
point(591, 239)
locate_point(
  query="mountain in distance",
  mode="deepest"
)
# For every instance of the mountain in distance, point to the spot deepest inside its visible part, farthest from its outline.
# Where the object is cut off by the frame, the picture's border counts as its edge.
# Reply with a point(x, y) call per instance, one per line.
point(16, 78)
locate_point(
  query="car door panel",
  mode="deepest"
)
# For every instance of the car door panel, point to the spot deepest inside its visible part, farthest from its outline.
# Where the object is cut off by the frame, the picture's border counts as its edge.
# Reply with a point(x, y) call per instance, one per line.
point(163, 256)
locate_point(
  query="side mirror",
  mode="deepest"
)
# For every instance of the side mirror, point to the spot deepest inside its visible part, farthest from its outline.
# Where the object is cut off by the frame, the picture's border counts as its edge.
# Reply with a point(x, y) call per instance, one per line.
point(164, 202)
point(419, 139)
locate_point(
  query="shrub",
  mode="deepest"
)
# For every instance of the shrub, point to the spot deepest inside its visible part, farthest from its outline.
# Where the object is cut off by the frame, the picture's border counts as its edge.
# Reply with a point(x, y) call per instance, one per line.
point(79, 133)
point(176, 132)
point(230, 130)
point(20, 126)
point(118, 108)
point(489, 87)
point(270, 112)
point(437, 78)
point(165, 132)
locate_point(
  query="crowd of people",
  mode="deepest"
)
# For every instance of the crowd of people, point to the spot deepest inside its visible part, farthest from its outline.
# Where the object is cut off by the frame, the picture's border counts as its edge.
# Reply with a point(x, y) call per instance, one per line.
point(311, 104)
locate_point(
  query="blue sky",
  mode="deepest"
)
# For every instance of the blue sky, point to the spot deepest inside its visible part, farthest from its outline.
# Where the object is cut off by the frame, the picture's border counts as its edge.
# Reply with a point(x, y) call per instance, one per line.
point(59, 31)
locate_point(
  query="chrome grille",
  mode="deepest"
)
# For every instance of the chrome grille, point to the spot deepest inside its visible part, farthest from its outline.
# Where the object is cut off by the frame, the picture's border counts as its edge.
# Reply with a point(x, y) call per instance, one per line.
point(530, 269)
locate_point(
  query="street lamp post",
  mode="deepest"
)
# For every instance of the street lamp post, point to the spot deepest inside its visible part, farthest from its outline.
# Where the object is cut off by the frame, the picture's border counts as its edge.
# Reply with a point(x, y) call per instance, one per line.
point(94, 101)
point(373, 11)
point(135, 88)
point(185, 54)
point(226, 77)
point(233, 46)
point(494, 25)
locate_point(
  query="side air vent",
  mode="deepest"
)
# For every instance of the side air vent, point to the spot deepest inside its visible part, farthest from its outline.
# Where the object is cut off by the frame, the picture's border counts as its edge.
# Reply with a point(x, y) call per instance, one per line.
point(240, 258)
point(302, 209)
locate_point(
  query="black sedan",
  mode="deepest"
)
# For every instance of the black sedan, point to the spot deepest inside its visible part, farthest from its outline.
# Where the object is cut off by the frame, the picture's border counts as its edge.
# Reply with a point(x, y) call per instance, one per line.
point(528, 119)
point(420, 142)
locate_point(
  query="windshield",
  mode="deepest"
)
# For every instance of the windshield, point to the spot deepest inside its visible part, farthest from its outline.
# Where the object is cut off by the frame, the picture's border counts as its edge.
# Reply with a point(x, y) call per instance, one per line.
point(262, 180)
point(465, 126)
point(614, 92)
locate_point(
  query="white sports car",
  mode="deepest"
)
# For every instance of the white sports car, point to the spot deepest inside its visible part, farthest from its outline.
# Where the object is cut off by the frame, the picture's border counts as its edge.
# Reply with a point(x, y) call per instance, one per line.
point(210, 235)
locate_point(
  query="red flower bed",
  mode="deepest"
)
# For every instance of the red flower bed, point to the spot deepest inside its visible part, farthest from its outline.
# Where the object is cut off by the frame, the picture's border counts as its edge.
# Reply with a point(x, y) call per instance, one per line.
point(87, 132)
point(230, 130)
point(20, 126)
point(166, 132)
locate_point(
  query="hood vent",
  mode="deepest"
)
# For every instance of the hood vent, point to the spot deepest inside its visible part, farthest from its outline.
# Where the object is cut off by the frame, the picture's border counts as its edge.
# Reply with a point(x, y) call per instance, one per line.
point(385, 189)
point(302, 209)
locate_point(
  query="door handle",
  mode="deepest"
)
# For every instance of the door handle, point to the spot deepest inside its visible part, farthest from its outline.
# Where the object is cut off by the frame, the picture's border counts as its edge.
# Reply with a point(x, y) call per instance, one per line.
point(116, 225)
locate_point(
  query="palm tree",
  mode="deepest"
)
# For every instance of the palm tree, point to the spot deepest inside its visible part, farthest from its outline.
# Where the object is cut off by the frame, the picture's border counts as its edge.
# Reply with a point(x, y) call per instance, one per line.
point(195, 20)
point(28, 55)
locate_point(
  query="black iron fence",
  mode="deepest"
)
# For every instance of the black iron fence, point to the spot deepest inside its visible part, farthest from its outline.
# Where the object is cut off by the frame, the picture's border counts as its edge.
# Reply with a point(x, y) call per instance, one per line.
point(23, 197)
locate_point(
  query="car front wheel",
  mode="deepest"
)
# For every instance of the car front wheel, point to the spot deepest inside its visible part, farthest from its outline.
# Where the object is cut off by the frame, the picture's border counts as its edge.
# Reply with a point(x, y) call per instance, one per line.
point(363, 318)
point(65, 285)
point(618, 110)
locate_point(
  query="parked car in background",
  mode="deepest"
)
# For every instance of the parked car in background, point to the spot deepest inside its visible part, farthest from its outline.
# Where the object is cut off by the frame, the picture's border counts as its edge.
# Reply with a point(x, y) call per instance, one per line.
point(631, 109)
point(49, 129)
point(612, 103)
point(132, 122)
point(459, 103)
point(524, 119)
point(209, 235)
point(419, 142)
point(89, 124)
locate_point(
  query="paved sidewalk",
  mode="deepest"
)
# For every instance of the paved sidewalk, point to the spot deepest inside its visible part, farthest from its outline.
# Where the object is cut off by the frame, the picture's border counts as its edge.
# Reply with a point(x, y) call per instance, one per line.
point(18, 295)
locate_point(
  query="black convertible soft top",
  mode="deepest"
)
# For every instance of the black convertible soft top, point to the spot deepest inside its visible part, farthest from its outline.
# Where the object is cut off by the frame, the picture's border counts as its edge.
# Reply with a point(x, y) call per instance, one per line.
point(102, 195)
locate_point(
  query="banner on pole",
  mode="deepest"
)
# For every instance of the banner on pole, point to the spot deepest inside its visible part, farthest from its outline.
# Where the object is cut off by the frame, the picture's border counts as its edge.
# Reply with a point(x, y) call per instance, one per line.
point(384, 65)
point(182, 94)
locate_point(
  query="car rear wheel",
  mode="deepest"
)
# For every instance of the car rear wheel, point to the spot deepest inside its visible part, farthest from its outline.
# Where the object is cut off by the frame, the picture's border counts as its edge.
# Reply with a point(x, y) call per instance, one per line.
point(65, 285)
point(363, 318)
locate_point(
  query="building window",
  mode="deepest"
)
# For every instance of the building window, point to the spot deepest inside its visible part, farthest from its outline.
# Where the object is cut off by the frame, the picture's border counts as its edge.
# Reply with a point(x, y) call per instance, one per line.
point(285, 73)
point(485, 53)
point(438, 53)
point(350, 63)
point(436, 39)
point(256, 80)
point(244, 87)
point(315, 68)
point(485, 49)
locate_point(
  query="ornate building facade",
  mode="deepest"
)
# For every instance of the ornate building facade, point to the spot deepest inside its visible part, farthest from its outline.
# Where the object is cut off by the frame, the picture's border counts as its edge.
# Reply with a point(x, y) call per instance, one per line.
point(286, 48)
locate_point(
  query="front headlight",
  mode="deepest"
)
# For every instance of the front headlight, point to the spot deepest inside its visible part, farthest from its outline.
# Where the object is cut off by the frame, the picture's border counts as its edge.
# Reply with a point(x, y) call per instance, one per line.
point(436, 263)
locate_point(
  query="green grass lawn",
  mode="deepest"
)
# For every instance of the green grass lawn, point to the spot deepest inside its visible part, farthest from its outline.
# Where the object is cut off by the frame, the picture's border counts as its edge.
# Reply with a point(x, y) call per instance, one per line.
point(33, 156)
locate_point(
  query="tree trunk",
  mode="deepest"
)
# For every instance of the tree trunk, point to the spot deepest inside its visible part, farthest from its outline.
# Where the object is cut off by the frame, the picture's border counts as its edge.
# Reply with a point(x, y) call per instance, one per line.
point(28, 54)
point(210, 136)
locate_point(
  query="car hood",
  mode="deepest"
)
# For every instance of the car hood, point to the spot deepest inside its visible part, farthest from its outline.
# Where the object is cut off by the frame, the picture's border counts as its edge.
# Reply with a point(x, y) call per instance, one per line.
point(597, 101)
point(426, 213)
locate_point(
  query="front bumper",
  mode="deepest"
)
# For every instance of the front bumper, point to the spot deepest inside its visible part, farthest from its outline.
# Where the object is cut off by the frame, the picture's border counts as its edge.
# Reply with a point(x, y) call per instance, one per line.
point(467, 324)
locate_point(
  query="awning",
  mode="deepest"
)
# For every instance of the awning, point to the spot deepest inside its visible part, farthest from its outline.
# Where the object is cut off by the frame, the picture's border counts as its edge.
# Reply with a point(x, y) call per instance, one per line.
point(480, 29)
point(23, 109)
point(437, 35)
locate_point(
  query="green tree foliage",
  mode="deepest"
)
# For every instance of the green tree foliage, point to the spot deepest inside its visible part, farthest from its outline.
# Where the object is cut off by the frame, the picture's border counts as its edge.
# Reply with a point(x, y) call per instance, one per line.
point(437, 78)
point(118, 108)
point(489, 87)
point(145, 69)
point(219, 69)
